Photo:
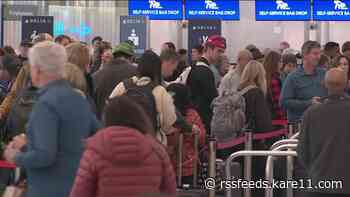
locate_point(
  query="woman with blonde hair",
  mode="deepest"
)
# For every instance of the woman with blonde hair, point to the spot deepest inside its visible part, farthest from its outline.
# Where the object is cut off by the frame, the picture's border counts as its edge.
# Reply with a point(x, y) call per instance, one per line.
point(76, 79)
point(79, 55)
point(254, 75)
point(253, 87)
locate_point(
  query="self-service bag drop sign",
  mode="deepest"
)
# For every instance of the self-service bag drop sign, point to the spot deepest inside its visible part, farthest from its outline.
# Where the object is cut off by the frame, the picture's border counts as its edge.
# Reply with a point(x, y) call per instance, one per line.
point(331, 10)
point(157, 9)
point(212, 9)
point(283, 10)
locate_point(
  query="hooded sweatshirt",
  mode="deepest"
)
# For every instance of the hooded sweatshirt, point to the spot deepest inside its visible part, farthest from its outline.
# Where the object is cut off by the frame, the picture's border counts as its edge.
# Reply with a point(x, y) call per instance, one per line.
point(121, 161)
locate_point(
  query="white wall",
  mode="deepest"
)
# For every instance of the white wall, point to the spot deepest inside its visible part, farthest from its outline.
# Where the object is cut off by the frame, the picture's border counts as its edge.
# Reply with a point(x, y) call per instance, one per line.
point(163, 31)
point(339, 32)
point(103, 21)
point(264, 34)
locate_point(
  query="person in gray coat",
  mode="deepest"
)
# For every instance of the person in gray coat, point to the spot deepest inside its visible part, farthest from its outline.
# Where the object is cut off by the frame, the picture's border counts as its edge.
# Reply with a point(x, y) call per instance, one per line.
point(60, 122)
point(324, 140)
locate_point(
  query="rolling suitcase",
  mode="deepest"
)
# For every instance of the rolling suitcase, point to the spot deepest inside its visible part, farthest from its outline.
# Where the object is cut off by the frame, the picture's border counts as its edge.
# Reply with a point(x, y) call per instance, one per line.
point(212, 168)
point(194, 190)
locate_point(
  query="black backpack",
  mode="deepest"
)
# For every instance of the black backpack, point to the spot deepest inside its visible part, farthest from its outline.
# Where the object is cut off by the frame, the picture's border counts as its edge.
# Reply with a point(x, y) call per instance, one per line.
point(143, 96)
point(20, 111)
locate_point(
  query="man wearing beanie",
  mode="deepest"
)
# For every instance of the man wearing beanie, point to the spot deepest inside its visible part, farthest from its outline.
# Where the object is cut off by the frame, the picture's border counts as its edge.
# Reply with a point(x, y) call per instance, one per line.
point(201, 78)
point(124, 51)
point(117, 70)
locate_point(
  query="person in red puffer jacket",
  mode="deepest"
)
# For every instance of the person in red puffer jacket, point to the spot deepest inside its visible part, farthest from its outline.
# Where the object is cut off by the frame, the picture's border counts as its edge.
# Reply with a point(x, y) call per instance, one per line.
point(182, 101)
point(124, 159)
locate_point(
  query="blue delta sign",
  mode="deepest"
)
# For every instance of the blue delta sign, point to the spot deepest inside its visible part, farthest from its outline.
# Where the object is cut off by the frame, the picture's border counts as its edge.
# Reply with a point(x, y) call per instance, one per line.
point(212, 9)
point(283, 10)
point(157, 9)
point(331, 10)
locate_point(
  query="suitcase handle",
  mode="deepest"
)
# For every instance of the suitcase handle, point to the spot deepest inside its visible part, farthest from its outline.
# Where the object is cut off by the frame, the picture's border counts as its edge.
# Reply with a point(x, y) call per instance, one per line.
point(195, 159)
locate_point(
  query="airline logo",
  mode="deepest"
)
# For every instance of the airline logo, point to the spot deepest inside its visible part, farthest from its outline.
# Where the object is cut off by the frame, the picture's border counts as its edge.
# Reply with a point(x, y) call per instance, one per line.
point(153, 4)
point(339, 5)
point(281, 5)
point(210, 4)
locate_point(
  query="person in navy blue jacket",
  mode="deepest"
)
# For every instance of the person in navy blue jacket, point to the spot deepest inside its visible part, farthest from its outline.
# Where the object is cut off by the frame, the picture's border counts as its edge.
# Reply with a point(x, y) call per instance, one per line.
point(60, 122)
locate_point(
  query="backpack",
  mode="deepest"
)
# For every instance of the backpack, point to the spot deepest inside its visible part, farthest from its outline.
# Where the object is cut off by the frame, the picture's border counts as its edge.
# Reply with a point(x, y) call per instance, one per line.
point(20, 111)
point(229, 114)
point(143, 95)
point(186, 73)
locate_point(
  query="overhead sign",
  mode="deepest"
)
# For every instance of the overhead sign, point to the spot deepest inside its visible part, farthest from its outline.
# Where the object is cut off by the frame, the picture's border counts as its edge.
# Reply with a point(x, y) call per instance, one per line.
point(34, 25)
point(15, 12)
point(200, 30)
point(212, 9)
point(331, 10)
point(282, 10)
point(134, 28)
point(157, 9)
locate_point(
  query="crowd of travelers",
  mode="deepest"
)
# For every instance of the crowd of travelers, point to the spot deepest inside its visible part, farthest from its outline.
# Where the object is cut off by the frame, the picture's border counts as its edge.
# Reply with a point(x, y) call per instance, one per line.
point(86, 120)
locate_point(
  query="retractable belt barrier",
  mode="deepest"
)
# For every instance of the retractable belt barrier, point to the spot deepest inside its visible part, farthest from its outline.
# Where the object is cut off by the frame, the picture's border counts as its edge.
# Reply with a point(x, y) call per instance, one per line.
point(258, 136)
point(246, 139)
point(5, 164)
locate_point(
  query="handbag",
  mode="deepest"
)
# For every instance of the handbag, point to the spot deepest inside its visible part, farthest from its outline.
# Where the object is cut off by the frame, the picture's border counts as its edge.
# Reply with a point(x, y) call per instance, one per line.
point(18, 189)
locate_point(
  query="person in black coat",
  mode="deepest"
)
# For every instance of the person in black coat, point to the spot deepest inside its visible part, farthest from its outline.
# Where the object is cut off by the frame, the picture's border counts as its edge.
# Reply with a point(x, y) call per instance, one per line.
point(253, 82)
point(324, 139)
point(114, 72)
point(253, 87)
point(201, 79)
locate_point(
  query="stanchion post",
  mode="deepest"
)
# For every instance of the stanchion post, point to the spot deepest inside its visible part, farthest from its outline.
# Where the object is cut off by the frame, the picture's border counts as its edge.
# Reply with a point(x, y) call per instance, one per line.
point(179, 159)
point(299, 125)
point(248, 160)
point(289, 174)
point(212, 162)
point(195, 161)
point(291, 129)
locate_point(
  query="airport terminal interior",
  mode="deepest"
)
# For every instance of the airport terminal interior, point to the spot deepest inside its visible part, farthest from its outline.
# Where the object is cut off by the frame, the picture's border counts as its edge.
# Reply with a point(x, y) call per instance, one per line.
point(175, 98)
